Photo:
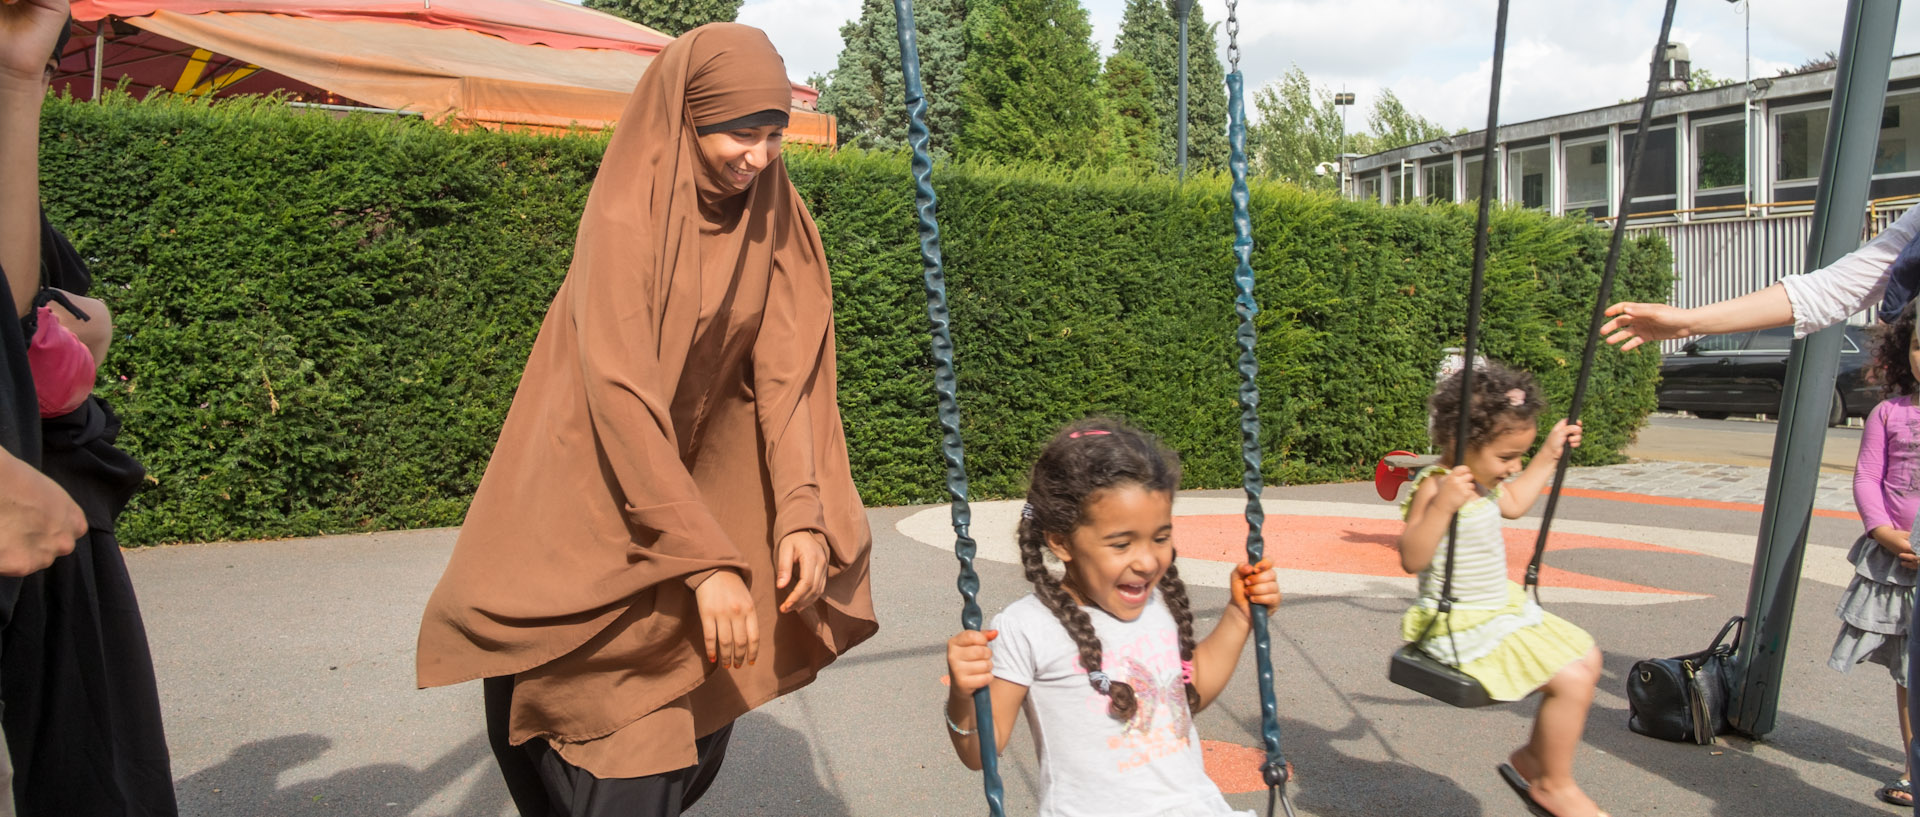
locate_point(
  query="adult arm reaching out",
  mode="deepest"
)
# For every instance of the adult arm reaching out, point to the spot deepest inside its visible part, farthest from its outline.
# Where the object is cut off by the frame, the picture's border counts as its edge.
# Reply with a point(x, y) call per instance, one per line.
point(1808, 302)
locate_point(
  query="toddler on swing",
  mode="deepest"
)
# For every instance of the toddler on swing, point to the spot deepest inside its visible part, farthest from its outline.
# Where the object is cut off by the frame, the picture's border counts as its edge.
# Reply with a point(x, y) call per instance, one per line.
point(1495, 633)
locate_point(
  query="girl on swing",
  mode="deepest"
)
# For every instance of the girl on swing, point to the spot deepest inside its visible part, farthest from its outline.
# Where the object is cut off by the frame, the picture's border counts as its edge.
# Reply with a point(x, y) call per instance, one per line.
point(1118, 739)
point(1495, 633)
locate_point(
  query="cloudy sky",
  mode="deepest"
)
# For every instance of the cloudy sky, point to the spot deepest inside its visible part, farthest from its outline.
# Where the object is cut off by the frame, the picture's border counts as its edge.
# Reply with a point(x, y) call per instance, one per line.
point(1561, 56)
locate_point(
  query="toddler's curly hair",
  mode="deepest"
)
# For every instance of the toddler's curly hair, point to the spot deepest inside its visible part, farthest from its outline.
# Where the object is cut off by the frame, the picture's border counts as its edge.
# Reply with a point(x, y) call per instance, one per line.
point(1504, 398)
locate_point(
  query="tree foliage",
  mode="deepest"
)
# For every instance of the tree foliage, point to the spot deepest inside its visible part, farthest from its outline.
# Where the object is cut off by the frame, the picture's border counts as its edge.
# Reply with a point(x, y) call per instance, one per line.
point(1394, 126)
point(671, 17)
point(1030, 87)
point(1300, 129)
point(1150, 35)
point(1133, 124)
point(865, 91)
point(320, 322)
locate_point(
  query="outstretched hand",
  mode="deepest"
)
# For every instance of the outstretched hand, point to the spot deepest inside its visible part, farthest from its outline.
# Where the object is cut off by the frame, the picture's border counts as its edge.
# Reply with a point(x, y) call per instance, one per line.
point(28, 31)
point(1635, 323)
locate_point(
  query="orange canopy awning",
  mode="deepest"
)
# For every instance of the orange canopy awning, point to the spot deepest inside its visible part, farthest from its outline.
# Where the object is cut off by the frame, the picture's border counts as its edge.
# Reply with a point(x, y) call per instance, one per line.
point(537, 63)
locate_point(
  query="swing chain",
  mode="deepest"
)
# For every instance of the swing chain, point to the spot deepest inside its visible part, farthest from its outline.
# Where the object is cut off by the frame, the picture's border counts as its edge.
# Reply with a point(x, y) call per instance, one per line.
point(1233, 36)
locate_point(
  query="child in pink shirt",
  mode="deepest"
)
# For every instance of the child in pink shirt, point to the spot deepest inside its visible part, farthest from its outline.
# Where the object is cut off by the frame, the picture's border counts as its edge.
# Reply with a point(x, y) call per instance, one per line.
point(1875, 609)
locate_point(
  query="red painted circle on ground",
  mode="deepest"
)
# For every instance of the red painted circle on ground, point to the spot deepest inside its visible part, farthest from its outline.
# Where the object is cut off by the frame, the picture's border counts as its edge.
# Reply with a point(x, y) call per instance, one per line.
point(1234, 768)
point(1366, 547)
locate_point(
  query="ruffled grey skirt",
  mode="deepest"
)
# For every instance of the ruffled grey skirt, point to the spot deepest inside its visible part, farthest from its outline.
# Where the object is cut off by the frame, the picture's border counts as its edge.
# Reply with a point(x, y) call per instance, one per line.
point(1874, 612)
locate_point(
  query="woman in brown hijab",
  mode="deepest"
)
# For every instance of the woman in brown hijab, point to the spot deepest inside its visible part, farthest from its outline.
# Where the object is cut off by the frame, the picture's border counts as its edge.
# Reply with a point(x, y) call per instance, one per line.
point(668, 534)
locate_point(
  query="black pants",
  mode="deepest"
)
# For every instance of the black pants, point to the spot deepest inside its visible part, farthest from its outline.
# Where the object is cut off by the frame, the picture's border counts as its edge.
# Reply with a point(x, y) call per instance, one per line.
point(543, 784)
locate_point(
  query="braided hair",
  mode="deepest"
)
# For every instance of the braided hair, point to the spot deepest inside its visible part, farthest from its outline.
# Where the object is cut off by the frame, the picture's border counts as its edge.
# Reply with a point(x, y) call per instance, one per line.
point(1081, 461)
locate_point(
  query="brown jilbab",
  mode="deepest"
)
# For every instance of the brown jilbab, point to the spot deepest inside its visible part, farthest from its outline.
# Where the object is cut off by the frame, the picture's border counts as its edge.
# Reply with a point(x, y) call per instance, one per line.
point(677, 415)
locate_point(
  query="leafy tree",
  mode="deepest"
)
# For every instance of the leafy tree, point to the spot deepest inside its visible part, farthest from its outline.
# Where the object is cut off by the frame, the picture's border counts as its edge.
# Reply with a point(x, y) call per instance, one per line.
point(1395, 126)
point(1030, 87)
point(1298, 130)
point(1207, 146)
point(1831, 60)
point(1133, 125)
point(671, 17)
point(1702, 79)
point(865, 91)
point(1150, 35)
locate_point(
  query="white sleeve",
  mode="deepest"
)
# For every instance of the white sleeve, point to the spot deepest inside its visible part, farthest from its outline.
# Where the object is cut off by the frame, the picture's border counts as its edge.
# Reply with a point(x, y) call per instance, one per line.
point(1013, 648)
point(1828, 295)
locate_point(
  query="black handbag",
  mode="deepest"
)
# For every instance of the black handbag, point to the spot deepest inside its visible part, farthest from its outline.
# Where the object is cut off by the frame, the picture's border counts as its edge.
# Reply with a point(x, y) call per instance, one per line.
point(1683, 698)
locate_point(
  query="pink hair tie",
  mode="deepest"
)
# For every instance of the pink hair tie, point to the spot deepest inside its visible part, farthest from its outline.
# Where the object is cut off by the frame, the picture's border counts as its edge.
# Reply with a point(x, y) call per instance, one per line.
point(1516, 397)
point(1186, 672)
point(1089, 433)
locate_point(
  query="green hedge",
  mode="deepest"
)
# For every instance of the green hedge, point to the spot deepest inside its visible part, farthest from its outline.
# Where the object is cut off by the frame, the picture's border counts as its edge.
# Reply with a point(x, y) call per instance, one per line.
point(323, 318)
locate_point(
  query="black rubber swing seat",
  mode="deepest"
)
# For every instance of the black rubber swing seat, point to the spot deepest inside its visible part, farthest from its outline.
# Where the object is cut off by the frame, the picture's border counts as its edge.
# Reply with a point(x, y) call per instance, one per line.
point(1414, 669)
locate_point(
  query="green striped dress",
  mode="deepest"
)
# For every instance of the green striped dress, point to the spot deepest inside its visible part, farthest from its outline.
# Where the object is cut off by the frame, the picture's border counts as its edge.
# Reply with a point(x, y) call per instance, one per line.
point(1500, 636)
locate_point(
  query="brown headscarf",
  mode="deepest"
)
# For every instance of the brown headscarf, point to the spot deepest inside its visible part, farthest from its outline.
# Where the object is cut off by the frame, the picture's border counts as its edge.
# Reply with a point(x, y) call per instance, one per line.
point(677, 415)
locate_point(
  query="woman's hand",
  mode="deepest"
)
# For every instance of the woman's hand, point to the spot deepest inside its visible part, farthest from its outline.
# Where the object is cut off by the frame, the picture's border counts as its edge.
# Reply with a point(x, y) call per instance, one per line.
point(727, 622)
point(1634, 324)
point(970, 661)
point(802, 562)
point(1559, 439)
point(28, 31)
point(1254, 584)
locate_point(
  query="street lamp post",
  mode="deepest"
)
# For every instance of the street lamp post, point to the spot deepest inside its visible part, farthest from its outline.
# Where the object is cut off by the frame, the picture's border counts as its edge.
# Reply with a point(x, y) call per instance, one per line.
point(1181, 9)
point(1343, 101)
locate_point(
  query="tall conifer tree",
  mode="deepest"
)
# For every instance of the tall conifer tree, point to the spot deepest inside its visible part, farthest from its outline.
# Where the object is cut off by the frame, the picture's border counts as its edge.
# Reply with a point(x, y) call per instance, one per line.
point(1150, 35)
point(865, 91)
point(1031, 87)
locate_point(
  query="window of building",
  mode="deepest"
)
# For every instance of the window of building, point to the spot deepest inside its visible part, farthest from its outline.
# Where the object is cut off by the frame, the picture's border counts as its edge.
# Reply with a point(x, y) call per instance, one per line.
point(1370, 187)
point(1799, 136)
point(1656, 180)
point(1470, 173)
point(1899, 136)
point(1585, 163)
point(1399, 186)
point(1720, 155)
point(1437, 177)
point(1529, 176)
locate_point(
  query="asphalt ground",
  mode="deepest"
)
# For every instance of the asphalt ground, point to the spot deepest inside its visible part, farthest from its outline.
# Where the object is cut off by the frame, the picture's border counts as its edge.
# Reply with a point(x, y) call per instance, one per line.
point(286, 675)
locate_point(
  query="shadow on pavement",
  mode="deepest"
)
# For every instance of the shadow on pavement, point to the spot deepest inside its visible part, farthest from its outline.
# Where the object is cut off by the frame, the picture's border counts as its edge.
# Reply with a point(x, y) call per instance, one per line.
point(247, 782)
point(770, 770)
point(1729, 773)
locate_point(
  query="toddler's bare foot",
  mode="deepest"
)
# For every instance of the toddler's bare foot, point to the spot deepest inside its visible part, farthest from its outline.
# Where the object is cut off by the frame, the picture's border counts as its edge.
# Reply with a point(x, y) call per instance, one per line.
point(1561, 798)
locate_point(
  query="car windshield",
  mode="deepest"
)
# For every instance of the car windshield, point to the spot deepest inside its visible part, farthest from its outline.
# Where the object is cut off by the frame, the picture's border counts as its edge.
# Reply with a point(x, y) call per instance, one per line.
point(1778, 339)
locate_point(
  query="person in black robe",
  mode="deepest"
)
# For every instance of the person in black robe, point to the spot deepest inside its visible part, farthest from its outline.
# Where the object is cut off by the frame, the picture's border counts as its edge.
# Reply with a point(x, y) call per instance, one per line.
point(81, 707)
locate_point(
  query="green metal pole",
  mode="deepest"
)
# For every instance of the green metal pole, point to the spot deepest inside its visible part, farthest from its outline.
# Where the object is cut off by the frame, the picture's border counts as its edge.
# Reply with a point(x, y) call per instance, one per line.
point(1853, 132)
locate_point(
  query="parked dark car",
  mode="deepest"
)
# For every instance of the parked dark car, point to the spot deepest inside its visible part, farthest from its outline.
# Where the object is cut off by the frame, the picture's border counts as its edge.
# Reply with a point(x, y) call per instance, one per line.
point(1720, 375)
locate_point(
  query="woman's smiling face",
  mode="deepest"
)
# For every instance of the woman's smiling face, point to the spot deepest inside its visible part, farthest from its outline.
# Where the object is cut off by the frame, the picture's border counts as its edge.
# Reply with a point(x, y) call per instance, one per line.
point(736, 157)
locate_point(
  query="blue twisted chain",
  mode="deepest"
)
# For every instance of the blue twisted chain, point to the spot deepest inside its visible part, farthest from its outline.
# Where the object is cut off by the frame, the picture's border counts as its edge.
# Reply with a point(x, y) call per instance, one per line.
point(951, 449)
point(1275, 770)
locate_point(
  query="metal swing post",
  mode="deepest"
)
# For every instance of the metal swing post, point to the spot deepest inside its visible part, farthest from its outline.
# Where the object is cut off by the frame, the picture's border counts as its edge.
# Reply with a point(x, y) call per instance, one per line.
point(952, 450)
point(1846, 164)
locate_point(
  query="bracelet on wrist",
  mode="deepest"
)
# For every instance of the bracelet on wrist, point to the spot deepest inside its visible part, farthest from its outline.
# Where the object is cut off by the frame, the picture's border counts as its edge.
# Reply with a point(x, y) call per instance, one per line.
point(956, 727)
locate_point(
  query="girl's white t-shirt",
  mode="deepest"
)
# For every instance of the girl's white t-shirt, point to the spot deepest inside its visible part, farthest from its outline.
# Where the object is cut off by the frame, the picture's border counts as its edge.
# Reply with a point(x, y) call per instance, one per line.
point(1091, 764)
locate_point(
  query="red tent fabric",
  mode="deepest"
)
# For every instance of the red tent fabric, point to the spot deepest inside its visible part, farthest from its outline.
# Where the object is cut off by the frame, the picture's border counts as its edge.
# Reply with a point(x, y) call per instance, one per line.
point(497, 63)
